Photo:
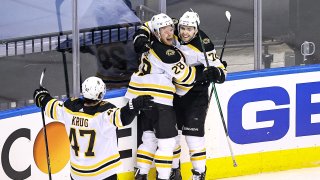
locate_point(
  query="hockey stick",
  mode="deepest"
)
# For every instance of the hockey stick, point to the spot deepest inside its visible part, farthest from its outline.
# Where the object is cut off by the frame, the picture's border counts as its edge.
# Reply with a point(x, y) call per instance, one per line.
point(228, 15)
point(213, 89)
point(44, 129)
point(63, 51)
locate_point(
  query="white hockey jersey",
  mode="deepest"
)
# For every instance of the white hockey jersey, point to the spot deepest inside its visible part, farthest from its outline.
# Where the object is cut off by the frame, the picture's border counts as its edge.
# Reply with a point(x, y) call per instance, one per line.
point(159, 69)
point(194, 53)
point(92, 135)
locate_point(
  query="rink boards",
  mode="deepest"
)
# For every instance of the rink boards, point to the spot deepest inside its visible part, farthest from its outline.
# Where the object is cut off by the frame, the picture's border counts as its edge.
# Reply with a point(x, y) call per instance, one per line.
point(273, 119)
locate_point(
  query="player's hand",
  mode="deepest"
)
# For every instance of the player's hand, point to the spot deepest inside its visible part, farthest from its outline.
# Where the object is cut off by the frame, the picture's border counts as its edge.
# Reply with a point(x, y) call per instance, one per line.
point(211, 74)
point(39, 94)
point(225, 64)
point(143, 102)
point(142, 44)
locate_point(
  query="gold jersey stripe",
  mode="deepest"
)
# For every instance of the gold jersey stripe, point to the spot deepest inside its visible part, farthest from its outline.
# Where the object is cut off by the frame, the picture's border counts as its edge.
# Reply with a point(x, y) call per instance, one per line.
point(145, 153)
point(192, 76)
point(154, 54)
point(55, 115)
point(152, 93)
point(163, 165)
point(184, 88)
point(198, 158)
point(112, 166)
point(202, 150)
point(144, 161)
point(185, 74)
point(166, 158)
point(49, 106)
point(118, 122)
point(193, 48)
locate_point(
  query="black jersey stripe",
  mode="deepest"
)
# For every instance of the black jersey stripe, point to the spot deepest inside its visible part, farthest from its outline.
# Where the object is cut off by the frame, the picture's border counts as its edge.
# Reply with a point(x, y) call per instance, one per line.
point(157, 161)
point(199, 154)
point(52, 108)
point(178, 151)
point(125, 153)
point(188, 76)
point(109, 163)
point(185, 85)
point(124, 132)
point(145, 157)
point(150, 89)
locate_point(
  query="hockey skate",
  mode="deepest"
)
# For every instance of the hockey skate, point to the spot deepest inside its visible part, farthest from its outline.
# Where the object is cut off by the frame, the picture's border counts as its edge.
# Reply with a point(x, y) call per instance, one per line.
point(198, 176)
point(175, 174)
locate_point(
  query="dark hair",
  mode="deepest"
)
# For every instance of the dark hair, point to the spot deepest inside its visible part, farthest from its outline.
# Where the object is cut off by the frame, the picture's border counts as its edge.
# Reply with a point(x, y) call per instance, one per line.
point(90, 101)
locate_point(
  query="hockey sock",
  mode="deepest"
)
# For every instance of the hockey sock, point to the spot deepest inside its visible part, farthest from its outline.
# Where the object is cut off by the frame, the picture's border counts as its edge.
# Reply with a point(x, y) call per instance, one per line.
point(176, 153)
point(164, 156)
point(146, 151)
point(197, 152)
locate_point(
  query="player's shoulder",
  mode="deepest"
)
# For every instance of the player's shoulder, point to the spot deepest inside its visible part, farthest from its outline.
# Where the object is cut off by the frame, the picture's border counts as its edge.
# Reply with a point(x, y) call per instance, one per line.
point(77, 105)
point(104, 106)
point(207, 43)
point(73, 104)
point(165, 53)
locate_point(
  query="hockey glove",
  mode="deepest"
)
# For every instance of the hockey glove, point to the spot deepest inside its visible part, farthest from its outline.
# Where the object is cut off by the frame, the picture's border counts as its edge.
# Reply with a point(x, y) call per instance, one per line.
point(142, 44)
point(213, 74)
point(225, 64)
point(39, 94)
point(143, 102)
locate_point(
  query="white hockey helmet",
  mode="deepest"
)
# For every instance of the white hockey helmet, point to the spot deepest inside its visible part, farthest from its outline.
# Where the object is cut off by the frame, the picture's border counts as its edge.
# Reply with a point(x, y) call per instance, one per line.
point(93, 88)
point(189, 18)
point(160, 20)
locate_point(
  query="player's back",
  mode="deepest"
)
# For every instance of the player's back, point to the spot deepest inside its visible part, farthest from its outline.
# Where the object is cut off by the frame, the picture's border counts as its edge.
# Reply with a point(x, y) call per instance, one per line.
point(93, 139)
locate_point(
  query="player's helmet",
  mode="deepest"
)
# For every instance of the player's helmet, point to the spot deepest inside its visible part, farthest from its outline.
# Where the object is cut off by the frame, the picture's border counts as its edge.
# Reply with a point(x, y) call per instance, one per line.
point(160, 20)
point(189, 19)
point(93, 88)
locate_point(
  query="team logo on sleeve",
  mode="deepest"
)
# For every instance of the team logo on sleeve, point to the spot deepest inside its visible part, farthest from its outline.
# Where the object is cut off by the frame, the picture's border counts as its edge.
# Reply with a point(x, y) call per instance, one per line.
point(170, 52)
point(206, 41)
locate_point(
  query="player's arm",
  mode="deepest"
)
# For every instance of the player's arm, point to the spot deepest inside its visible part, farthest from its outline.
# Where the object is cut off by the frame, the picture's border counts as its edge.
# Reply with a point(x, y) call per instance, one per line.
point(142, 38)
point(52, 106)
point(124, 116)
point(217, 71)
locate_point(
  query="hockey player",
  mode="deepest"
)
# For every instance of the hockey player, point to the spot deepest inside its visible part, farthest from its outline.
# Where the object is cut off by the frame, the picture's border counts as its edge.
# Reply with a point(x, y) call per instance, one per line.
point(161, 67)
point(191, 108)
point(91, 125)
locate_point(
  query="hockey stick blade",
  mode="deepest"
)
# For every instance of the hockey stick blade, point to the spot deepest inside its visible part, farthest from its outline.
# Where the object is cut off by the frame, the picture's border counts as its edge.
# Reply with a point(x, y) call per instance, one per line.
point(42, 76)
point(228, 15)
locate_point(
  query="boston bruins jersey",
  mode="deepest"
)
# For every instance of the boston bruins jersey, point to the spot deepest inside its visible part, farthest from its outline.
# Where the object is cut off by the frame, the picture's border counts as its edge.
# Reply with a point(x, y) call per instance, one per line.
point(92, 135)
point(159, 69)
point(194, 53)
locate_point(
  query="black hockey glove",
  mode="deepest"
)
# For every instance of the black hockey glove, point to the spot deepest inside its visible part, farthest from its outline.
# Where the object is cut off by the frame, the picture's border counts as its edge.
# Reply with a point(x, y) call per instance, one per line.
point(142, 44)
point(212, 74)
point(225, 64)
point(39, 94)
point(143, 102)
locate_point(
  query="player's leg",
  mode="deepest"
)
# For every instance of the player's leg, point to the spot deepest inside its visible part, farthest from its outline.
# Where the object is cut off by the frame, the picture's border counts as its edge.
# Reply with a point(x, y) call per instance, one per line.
point(166, 132)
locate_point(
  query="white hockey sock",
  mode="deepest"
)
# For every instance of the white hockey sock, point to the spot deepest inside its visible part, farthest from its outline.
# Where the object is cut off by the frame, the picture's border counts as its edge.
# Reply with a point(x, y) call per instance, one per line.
point(176, 153)
point(164, 156)
point(197, 152)
point(146, 151)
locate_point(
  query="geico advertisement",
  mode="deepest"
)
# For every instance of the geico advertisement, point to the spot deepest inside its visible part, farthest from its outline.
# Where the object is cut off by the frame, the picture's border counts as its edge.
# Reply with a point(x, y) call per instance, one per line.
point(266, 114)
